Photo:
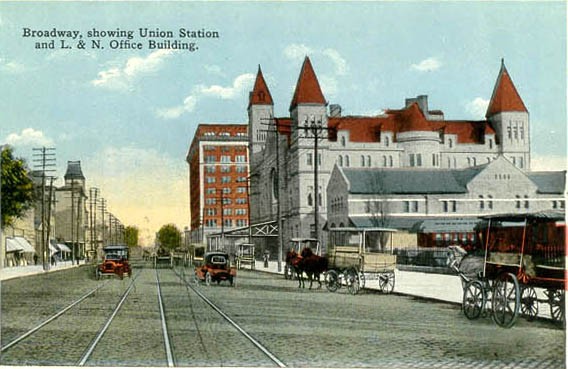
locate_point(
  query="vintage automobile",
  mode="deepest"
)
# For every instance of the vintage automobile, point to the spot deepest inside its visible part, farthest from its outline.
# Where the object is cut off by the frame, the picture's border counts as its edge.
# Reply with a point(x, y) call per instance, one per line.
point(115, 262)
point(216, 267)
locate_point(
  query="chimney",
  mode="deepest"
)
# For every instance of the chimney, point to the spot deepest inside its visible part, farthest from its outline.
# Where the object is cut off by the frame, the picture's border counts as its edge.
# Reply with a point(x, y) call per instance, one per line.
point(334, 110)
point(421, 100)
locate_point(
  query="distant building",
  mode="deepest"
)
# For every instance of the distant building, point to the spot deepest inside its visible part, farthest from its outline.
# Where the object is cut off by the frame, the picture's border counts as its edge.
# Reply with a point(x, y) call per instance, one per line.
point(413, 138)
point(71, 219)
point(218, 180)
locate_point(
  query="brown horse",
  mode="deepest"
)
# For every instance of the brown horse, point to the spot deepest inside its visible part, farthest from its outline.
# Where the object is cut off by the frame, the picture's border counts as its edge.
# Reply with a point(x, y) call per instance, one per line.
point(313, 265)
point(293, 261)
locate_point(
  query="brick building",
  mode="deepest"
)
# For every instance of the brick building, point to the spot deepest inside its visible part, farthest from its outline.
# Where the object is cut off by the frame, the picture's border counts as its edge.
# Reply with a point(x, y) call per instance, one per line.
point(218, 180)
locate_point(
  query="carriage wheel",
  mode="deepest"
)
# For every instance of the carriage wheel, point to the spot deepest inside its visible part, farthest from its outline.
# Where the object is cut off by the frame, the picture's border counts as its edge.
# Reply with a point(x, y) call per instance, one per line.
point(332, 280)
point(208, 279)
point(556, 302)
point(473, 299)
point(505, 300)
point(529, 303)
point(386, 282)
point(352, 278)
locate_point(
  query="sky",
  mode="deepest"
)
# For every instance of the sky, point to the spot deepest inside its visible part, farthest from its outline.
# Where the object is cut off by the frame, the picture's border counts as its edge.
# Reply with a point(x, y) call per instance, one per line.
point(129, 114)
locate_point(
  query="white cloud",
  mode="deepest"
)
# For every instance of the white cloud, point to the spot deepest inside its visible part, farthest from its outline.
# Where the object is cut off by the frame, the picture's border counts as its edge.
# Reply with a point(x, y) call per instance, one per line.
point(121, 78)
point(328, 85)
point(240, 84)
point(214, 69)
point(28, 137)
point(341, 67)
point(297, 51)
point(548, 162)
point(477, 107)
point(427, 65)
point(143, 187)
point(11, 67)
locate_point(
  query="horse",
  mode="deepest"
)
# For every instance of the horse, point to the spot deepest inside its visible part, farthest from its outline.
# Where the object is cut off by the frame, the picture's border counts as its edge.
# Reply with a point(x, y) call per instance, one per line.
point(313, 265)
point(469, 267)
point(293, 264)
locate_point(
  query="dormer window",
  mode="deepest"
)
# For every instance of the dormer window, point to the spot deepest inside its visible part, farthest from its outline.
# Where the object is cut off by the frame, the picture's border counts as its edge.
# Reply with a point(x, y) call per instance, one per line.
point(261, 95)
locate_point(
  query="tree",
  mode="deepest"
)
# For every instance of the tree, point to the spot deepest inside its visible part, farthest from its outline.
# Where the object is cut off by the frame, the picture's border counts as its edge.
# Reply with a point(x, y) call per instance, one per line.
point(17, 187)
point(131, 236)
point(378, 208)
point(169, 237)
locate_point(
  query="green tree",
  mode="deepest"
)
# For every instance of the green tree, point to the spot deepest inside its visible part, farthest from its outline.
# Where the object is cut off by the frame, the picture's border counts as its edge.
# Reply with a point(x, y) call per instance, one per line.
point(169, 237)
point(131, 236)
point(17, 187)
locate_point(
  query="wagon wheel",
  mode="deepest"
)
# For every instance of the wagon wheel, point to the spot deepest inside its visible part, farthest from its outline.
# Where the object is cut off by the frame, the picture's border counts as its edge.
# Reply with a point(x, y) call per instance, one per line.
point(529, 303)
point(473, 299)
point(386, 282)
point(506, 300)
point(352, 278)
point(556, 302)
point(208, 279)
point(332, 280)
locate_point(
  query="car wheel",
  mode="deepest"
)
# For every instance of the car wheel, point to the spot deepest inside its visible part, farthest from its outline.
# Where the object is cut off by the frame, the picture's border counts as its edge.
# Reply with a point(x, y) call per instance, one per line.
point(208, 279)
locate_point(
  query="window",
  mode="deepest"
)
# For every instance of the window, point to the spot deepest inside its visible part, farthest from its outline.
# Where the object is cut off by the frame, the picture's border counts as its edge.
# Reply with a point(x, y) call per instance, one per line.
point(411, 160)
point(415, 206)
point(227, 201)
point(419, 160)
point(211, 211)
point(241, 222)
point(226, 179)
point(390, 161)
point(368, 160)
point(310, 200)
point(225, 169)
point(340, 160)
point(241, 169)
point(526, 202)
point(343, 141)
point(518, 202)
point(445, 206)
point(509, 133)
point(407, 206)
point(384, 161)
point(240, 158)
point(210, 169)
point(241, 189)
point(309, 159)
point(450, 143)
point(228, 211)
point(481, 202)
point(210, 179)
point(240, 211)
point(387, 140)
point(211, 201)
point(225, 159)
point(211, 191)
point(362, 160)
point(226, 190)
point(490, 203)
point(241, 200)
point(347, 161)
point(454, 206)
point(210, 158)
point(228, 223)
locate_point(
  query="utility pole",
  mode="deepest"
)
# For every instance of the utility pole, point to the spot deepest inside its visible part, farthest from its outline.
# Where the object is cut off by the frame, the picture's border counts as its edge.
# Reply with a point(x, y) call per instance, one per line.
point(44, 158)
point(93, 219)
point(103, 211)
point(72, 221)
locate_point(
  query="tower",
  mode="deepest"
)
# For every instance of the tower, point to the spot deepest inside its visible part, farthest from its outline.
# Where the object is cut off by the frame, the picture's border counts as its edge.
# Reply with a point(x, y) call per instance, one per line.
point(510, 119)
point(260, 111)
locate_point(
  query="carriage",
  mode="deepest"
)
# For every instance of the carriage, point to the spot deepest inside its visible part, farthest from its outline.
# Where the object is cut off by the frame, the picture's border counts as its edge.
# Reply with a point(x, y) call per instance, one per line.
point(357, 255)
point(115, 262)
point(296, 246)
point(522, 266)
point(216, 267)
point(245, 256)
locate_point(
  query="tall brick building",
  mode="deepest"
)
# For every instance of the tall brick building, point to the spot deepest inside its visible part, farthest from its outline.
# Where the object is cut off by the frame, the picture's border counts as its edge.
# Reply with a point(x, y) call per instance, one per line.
point(218, 179)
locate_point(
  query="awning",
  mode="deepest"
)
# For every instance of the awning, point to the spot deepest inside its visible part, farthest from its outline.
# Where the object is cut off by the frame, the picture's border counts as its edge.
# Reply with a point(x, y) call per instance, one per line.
point(13, 246)
point(27, 247)
point(63, 248)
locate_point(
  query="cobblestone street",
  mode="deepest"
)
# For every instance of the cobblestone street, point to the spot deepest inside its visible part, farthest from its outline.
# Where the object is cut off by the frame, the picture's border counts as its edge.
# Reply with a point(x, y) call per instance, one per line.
point(301, 327)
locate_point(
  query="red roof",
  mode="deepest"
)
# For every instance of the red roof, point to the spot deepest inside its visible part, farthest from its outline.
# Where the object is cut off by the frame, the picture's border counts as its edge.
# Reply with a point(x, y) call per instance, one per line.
point(284, 127)
point(307, 89)
point(368, 129)
point(505, 96)
point(260, 94)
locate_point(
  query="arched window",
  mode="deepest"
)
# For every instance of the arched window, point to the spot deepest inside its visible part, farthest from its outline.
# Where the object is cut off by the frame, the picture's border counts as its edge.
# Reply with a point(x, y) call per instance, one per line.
point(340, 160)
point(384, 161)
point(310, 199)
point(481, 202)
point(347, 161)
point(368, 160)
point(362, 160)
point(390, 160)
point(343, 141)
point(387, 140)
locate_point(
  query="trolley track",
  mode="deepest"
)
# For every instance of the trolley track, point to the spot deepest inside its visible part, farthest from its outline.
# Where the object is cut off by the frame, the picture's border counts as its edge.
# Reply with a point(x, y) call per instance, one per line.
point(259, 353)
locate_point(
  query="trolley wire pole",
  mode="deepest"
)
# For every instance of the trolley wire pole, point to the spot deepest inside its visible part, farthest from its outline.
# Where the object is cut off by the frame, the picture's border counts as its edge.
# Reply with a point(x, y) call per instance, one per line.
point(44, 158)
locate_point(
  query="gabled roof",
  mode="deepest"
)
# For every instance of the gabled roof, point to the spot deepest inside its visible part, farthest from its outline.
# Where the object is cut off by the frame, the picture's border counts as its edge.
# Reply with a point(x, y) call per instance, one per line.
point(260, 94)
point(505, 96)
point(549, 182)
point(308, 90)
point(404, 181)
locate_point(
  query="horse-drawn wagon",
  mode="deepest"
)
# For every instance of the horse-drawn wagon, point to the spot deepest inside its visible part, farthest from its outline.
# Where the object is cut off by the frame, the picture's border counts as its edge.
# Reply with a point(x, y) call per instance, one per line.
point(245, 256)
point(522, 265)
point(360, 254)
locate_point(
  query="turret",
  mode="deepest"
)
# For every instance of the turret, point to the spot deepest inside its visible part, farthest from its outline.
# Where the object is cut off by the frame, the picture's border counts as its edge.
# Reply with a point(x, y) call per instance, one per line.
point(510, 118)
point(260, 112)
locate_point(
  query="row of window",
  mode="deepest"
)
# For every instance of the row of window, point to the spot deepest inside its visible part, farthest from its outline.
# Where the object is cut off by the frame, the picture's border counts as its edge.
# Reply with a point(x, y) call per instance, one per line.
point(225, 159)
point(343, 140)
point(224, 134)
point(226, 169)
point(226, 201)
point(227, 223)
point(226, 190)
point(225, 179)
point(227, 211)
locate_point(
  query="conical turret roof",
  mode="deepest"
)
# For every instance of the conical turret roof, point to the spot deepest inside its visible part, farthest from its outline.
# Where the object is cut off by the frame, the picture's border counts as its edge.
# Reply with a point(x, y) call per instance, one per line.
point(308, 88)
point(505, 96)
point(260, 94)
point(74, 170)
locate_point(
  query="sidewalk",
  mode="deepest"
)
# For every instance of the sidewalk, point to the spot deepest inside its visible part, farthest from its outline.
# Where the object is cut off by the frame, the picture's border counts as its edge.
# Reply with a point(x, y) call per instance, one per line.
point(441, 287)
point(21, 271)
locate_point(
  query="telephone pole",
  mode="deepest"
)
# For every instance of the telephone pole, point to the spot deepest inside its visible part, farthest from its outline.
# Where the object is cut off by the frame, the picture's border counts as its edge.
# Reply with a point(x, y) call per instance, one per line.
point(103, 211)
point(44, 159)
